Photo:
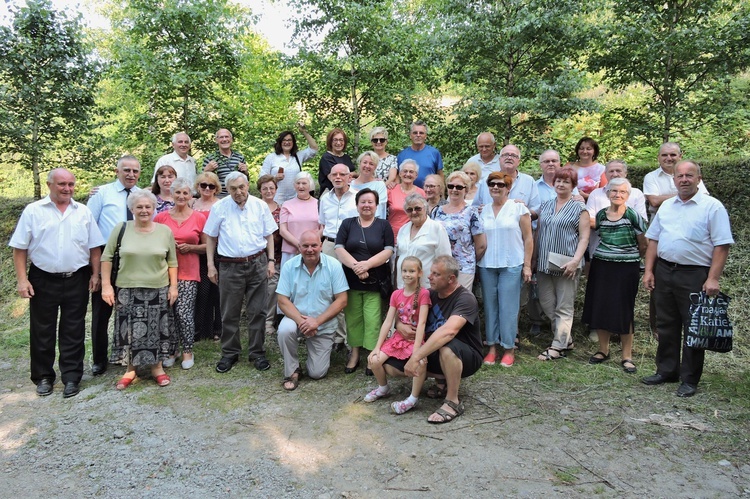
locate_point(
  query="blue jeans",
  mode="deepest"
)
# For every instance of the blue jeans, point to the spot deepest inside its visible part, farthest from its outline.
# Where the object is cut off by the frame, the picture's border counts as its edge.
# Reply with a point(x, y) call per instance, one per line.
point(501, 289)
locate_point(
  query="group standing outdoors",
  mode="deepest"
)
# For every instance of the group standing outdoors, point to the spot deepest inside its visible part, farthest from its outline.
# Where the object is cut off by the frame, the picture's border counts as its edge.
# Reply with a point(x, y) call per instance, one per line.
point(378, 256)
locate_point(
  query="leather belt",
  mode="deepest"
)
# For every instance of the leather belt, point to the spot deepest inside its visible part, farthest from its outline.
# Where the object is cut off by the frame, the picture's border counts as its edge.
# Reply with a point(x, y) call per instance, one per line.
point(329, 239)
point(60, 275)
point(679, 266)
point(244, 259)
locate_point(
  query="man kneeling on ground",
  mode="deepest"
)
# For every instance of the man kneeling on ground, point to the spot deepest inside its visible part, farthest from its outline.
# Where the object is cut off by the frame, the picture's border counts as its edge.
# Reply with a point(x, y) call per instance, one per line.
point(312, 290)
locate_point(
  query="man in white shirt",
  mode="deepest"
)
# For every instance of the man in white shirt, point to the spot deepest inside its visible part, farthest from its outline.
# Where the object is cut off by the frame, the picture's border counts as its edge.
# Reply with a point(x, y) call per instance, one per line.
point(487, 158)
point(335, 206)
point(109, 207)
point(240, 231)
point(689, 241)
point(63, 242)
point(524, 187)
point(659, 185)
point(179, 159)
point(598, 199)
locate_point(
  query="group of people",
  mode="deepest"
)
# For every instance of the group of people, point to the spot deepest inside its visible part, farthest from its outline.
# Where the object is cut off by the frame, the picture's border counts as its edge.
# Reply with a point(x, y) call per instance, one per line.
point(380, 261)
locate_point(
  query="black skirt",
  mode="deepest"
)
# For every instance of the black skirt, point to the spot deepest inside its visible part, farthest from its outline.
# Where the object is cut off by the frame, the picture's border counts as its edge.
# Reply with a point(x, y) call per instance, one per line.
point(610, 295)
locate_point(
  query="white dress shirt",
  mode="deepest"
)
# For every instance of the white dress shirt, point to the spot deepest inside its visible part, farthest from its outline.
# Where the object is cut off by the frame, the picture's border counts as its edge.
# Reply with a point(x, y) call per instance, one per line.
point(241, 231)
point(109, 206)
point(185, 168)
point(57, 241)
point(333, 210)
point(661, 183)
point(492, 165)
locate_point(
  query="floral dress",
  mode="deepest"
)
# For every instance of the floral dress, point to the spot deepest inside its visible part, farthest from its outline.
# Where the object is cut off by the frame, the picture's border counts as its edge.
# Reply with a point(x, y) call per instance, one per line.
point(461, 228)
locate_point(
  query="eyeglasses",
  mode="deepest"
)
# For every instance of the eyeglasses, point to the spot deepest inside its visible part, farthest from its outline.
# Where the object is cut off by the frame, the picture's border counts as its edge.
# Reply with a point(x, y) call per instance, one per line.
point(210, 187)
point(379, 140)
point(510, 155)
point(497, 185)
point(416, 209)
point(456, 187)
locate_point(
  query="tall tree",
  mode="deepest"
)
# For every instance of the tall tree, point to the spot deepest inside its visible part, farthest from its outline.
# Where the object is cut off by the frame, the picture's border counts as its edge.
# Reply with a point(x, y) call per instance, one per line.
point(679, 49)
point(360, 63)
point(515, 61)
point(47, 81)
point(177, 57)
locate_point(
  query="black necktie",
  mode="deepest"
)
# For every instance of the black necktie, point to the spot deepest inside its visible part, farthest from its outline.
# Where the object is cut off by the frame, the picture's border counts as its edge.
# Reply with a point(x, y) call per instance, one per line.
point(128, 213)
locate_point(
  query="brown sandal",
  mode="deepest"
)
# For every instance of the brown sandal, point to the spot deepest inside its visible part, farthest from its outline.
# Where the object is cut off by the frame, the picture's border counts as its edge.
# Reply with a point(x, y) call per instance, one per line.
point(294, 380)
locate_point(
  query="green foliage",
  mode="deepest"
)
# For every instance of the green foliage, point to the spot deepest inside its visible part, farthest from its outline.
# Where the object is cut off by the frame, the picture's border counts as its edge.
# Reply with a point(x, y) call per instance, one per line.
point(516, 62)
point(370, 69)
point(683, 51)
point(47, 81)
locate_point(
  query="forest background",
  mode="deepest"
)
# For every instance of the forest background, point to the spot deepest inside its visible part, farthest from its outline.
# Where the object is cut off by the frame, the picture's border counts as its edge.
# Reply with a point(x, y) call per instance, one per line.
point(538, 73)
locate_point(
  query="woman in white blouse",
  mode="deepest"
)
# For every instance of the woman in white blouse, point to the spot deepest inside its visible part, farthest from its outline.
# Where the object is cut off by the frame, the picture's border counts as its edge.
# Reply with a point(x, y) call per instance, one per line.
point(506, 263)
point(286, 161)
point(421, 237)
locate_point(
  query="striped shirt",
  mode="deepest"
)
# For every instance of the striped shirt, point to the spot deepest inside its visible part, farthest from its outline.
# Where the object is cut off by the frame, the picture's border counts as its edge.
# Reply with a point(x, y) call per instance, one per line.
point(619, 241)
point(558, 232)
point(226, 166)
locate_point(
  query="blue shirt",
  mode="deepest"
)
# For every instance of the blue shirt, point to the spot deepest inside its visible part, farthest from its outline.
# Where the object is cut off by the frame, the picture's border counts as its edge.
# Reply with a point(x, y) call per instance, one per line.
point(109, 206)
point(313, 294)
point(429, 160)
point(524, 189)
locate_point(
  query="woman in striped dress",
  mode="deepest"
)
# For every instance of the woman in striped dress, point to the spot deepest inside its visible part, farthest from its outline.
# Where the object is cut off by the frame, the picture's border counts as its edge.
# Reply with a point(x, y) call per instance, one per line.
point(562, 239)
point(615, 271)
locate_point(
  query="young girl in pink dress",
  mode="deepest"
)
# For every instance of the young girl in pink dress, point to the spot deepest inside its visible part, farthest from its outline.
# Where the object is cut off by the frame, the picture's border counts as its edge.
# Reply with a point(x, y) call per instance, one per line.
point(408, 306)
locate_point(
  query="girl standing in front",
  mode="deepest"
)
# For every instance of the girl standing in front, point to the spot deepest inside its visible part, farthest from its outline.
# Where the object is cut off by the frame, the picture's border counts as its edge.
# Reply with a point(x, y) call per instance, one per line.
point(408, 306)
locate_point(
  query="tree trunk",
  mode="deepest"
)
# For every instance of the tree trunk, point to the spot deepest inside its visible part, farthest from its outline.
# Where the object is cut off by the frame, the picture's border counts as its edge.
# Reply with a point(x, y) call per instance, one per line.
point(355, 111)
point(35, 161)
point(667, 120)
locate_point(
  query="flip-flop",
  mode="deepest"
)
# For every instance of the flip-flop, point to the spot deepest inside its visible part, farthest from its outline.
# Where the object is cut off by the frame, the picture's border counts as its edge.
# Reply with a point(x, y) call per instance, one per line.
point(447, 416)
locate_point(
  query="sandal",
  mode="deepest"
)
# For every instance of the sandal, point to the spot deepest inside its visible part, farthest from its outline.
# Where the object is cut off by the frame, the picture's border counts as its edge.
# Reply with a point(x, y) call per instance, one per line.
point(125, 382)
point(294, 380)
point(547, 355)
point(629, 370)
point(437, 391)
point(447, 416)
point(598, 360)
point(162, 379)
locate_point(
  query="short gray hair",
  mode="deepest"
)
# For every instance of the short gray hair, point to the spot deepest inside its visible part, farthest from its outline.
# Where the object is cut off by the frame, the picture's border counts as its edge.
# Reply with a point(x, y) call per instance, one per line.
point(379, 130)
point(617, 162)
point(134, 197)
point(54, 171)
point(619, 181)
point(305, 175)
point(174, 137)
point(180, 183)
point(234, 176)
point(419, 123)
point(127, 157)
point(411, 161)
point(415, 198)
point(450, 264)
point(492, 137)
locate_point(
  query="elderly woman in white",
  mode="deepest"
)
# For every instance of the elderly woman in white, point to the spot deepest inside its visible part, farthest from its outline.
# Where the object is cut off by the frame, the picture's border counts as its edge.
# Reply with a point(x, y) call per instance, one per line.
point(421, 237)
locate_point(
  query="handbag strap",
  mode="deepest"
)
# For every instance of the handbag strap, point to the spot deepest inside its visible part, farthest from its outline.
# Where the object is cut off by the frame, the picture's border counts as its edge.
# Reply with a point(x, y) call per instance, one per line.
point(119, 238)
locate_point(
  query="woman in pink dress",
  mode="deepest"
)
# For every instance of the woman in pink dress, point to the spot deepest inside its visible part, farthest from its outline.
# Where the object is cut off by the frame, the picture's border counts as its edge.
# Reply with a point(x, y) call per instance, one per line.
point(298, 215)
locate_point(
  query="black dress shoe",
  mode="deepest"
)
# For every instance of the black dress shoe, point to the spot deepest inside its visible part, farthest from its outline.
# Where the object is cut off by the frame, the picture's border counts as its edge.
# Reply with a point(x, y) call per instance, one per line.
point(44, 387)
point(225, 364)
point(71, 389)
point(657, 379)
point(262, 364)
point(687, 390)
point(98, 369)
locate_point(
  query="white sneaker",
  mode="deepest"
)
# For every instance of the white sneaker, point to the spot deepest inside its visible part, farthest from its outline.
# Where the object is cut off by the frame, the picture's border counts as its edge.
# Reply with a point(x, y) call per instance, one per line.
point(376, 394)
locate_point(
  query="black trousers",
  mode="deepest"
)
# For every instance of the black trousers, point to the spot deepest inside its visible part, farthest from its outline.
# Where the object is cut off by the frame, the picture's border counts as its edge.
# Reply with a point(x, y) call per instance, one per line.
point(69, 295)
point(101, 311)
point(672, 289)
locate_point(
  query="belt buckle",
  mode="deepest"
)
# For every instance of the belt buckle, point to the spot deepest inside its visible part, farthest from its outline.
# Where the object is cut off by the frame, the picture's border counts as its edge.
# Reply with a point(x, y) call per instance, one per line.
point(66, 275)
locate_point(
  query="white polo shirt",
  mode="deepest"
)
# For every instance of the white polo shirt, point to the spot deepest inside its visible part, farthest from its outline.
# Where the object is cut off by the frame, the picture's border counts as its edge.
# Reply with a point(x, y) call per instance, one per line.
point(57, 242)
point(688, 231)
point(185, 168)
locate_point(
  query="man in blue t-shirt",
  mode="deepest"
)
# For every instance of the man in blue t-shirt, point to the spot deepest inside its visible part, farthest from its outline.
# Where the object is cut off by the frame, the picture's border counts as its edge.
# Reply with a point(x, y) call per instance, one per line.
point(427, 157)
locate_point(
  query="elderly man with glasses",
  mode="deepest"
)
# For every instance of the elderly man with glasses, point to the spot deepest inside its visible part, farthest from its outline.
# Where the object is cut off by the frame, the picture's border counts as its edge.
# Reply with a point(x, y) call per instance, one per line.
point(524, 186)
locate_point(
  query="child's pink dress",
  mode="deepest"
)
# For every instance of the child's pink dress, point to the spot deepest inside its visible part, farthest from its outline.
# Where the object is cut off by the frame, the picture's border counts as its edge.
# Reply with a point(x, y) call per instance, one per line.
point(397, 346)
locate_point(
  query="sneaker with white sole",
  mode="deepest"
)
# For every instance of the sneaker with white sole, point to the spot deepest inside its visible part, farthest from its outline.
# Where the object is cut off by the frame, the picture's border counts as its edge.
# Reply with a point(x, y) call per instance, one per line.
point(376, 394)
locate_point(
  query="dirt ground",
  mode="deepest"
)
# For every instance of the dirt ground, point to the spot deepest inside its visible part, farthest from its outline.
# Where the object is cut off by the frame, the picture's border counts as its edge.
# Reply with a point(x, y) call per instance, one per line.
point(525, 433)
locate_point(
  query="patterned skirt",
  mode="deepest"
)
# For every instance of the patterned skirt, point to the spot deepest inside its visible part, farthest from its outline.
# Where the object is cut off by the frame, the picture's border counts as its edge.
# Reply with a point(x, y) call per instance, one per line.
point(144, 324)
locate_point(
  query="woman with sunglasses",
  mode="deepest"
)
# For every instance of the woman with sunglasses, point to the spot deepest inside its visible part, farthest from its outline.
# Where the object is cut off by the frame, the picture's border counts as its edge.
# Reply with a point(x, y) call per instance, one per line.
point(364, 244)
point(506, 263)
point(421, 237)
point(207, 312)
point(387, 170)
point(286, 161)
point(464, 228)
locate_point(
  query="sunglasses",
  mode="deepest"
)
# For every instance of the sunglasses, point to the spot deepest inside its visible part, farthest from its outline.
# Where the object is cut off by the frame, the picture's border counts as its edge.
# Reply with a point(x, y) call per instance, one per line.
point(378, 141)
point(210, 187)
point(497, 185)
point(416, 209)
point(456, 187)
